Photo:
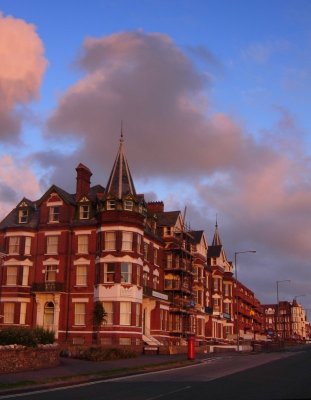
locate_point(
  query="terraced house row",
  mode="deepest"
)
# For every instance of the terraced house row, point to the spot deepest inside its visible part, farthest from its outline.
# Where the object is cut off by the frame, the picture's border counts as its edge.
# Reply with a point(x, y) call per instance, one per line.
point(158, 281)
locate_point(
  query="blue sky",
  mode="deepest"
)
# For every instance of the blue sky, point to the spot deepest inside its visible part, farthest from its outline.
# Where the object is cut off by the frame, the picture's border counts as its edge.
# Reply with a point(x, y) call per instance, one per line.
point(222, 85)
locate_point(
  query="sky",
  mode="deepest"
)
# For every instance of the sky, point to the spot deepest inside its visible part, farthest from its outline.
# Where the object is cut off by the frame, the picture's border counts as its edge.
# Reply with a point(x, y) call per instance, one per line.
point(214, 99)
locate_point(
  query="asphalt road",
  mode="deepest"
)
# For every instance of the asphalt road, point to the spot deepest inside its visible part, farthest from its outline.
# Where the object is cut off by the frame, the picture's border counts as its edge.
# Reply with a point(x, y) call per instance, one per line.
point(262, 376)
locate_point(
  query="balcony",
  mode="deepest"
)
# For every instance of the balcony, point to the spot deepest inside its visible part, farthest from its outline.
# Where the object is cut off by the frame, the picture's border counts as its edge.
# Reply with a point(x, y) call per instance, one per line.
point(182, 267)
point(208, 310)
point(227, 316)
point(182, 305)
point(48, 287)
point(177, 285)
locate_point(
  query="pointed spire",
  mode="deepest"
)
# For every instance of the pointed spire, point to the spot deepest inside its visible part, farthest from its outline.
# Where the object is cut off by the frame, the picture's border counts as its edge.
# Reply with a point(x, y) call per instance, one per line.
point(121, 136)
point(216, 238)
point(120, 182)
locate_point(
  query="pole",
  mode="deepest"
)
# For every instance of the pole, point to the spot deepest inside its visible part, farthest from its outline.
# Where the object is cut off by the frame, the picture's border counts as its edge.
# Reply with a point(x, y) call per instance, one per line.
point(237, 296)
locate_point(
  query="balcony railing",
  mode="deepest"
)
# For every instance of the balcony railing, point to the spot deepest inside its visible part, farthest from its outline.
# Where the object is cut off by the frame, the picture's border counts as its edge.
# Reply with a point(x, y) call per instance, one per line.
point(227, 316)
point(208, 310)
point(177, 285)
point(48, 287)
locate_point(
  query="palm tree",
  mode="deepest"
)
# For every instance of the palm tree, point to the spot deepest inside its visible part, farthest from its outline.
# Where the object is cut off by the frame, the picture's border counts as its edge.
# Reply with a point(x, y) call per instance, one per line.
point(99, 316)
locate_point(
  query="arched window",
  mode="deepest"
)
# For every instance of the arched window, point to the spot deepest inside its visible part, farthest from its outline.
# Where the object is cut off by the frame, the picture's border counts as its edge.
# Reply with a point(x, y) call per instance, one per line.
point(48, 317)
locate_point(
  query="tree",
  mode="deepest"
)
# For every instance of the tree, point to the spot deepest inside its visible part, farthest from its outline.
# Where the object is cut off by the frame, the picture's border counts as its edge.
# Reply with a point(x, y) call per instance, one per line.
point(99, 316)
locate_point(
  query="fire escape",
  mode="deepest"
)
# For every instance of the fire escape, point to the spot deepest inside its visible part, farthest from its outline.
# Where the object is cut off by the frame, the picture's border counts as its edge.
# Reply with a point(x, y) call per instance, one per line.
point(179, 276)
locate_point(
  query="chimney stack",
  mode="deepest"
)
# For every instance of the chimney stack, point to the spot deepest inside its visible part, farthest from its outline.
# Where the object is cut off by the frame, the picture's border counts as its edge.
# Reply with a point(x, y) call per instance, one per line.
point(83, 181)
point(155, 206)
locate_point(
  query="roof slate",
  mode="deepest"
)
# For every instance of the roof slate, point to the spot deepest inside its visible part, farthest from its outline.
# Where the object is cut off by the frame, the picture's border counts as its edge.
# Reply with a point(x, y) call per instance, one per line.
point(167, 218)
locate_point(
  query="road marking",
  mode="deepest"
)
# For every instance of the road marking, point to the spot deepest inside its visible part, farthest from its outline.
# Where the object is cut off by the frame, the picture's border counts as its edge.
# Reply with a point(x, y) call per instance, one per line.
point(168, 393)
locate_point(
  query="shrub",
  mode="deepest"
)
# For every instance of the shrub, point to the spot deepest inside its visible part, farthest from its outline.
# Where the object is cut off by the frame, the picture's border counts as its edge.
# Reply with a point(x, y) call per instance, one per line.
point(25, 336)
point(43, 336)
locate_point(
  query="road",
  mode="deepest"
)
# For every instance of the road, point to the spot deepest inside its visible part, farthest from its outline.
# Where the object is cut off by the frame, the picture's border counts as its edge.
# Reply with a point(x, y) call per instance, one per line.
point(283, 375)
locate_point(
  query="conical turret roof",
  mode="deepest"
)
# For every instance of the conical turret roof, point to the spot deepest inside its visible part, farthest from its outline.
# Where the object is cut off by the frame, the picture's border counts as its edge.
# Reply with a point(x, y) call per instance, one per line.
point(120, 183)
point(216, 238)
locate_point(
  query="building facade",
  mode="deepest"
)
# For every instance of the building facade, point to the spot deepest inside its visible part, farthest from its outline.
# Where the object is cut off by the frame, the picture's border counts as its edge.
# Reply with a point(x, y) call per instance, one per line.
point(158, 281)
point(285, 321)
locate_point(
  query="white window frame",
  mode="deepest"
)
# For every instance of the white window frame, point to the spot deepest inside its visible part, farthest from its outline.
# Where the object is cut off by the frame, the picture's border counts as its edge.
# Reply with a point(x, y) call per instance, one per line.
point(54, 214)
point(155, 282)
point(138, 243)
point(108, 307)
point(111, 204)
point(138, 313)
point(83, 244)
point(11, 275)
point(81, 275)
point(25, 277)
point(227, 308)
point(8, 313)
point(22, 314)
point(50, 273)
point(110, 240)
point(138, 275)
point(14, 244)
point(27, 251)
point(80, 314)
point(23, 216)
point(169, 260)
point(126, 272)
point(127, 241)
point(109, 275)
point(146, 248)
point(155, 256)
point(128, 205)
point(145, 278)
point(52, 244)
point(125, 313)
point(84, 211)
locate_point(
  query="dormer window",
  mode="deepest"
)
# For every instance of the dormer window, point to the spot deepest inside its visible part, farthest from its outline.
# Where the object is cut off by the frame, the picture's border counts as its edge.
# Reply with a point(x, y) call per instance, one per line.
point(84, 212)
point(54, 214)
point(128, 205)
point(111, 205)
point(23, 216)
point(167, 231)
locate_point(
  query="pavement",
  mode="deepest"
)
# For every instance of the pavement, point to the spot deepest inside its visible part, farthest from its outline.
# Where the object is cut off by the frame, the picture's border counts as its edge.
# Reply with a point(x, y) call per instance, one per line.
point(71, 371)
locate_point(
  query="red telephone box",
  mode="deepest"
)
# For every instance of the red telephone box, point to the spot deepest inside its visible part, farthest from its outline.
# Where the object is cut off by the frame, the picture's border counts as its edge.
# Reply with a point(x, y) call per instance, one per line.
point(191, 348)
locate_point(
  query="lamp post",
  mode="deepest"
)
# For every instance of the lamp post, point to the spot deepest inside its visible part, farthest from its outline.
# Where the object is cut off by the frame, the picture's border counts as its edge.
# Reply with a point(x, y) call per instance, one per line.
point(299, 295)
point(237, 296)
point(277, 305)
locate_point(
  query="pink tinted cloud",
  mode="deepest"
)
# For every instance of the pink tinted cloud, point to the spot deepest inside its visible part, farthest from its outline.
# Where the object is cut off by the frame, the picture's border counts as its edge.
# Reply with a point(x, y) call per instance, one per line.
point(21, 70)
point(149, 83)
point(17, 180)
point(261, 187)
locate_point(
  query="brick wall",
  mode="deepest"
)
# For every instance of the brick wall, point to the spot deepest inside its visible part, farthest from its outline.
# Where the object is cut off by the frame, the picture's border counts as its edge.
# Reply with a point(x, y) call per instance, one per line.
point(17, 359)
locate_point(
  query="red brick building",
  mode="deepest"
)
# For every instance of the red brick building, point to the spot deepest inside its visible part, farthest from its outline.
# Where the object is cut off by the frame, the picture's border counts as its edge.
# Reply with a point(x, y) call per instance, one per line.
point(158, 281)
point(249, 320)
point(220, 291)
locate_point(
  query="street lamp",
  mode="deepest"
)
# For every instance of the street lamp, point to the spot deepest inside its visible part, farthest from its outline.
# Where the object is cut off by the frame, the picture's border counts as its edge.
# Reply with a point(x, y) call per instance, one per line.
point(299, 295)
point(277, 305)
point(237, 296)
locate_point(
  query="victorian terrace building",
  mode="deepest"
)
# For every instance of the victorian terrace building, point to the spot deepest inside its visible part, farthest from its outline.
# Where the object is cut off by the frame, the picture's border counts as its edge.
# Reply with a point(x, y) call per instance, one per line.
point(158, 281)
